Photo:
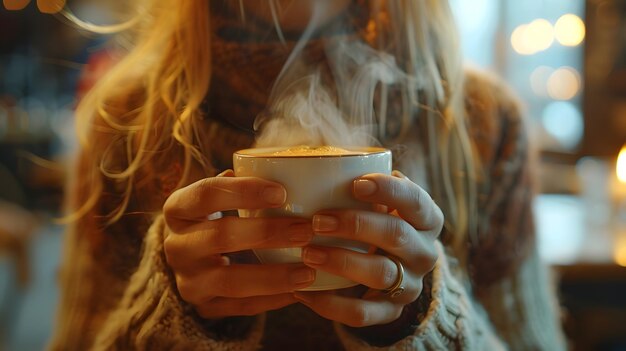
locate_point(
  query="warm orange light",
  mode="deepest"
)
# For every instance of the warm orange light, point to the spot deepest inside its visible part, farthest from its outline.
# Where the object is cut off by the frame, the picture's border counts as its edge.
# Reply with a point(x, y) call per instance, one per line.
point(50, 6)
point(15, 5)
point(620, 167)
point(619, 251)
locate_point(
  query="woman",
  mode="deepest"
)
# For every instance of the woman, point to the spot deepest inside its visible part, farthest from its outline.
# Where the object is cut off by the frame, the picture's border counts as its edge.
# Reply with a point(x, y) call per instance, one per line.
point(152, 259)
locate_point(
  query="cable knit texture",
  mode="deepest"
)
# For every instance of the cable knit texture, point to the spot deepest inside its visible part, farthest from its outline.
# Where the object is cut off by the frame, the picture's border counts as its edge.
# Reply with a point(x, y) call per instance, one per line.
point(150, 313)
point(455, 322)
point(118, 294)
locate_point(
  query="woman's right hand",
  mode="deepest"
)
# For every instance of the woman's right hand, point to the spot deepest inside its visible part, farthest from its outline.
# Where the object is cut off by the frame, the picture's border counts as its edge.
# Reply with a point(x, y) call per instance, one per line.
point(195, 247)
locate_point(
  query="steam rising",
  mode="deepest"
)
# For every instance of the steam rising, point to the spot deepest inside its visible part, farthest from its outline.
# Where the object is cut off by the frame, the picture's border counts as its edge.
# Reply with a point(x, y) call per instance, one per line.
point(341, 101)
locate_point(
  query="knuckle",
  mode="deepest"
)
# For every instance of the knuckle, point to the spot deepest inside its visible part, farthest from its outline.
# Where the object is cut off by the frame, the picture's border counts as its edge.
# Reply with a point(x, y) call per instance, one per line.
point(205, 188)
point(400, 233)
point(412, 293)
point(186, 289)
point(396, 189)
point(388, 273)
point(169, 206)
point(406, 192)
point(417, 196)
point(174, 250)
point(360, 316)
point(222, 239)
point(439, 219)
point(171, 250)
point(418, 289)
point(427, 258)
point(347, 264)
point(359, 223)
point(171, 211)
point(432, 256)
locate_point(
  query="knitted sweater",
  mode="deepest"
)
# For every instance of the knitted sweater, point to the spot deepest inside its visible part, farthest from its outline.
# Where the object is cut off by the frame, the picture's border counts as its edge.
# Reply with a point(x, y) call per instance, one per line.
point(118, 293)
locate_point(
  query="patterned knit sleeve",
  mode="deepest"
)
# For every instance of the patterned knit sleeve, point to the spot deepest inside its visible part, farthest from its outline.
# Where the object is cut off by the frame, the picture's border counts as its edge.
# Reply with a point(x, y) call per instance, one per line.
point(518, 313)
point(505, 300)
point(508, 277)
point(152, 316)
point(452, 321)
point(116, 291)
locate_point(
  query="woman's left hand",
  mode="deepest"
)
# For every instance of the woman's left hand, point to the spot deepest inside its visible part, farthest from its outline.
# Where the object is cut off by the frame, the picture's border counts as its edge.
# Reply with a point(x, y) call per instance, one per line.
point(407, 232)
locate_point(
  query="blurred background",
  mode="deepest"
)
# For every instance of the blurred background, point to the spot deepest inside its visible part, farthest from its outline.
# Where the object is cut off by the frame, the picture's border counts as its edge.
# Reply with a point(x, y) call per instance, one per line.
point(566, 59)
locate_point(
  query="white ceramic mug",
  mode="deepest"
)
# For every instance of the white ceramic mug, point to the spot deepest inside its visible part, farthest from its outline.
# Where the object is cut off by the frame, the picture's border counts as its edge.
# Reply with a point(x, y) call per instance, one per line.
point(313, 183)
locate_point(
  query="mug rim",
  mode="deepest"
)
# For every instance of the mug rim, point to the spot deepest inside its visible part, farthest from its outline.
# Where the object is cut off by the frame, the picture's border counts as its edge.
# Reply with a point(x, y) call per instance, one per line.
point(366, 151)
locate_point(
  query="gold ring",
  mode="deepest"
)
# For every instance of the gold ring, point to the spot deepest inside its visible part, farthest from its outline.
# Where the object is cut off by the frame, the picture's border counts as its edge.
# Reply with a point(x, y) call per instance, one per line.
point(396, 289)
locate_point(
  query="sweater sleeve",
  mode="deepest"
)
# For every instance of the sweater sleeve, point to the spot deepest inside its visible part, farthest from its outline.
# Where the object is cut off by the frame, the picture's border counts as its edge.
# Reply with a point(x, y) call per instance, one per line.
point(518, 314)
point(152, 316)
point(510, 303)
point(116, 289)
point(451, 322)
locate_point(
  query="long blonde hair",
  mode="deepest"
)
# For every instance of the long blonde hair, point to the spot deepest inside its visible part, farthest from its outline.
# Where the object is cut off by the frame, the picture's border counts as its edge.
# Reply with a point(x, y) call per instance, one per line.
point(160, 84)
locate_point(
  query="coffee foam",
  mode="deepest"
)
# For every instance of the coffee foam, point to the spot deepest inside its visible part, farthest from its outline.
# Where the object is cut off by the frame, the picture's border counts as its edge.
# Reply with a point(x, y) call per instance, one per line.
point(304, 150)
point(308, 151)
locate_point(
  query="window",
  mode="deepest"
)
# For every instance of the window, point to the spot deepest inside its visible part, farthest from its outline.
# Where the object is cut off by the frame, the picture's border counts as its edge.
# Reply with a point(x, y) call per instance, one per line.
point(537, 46)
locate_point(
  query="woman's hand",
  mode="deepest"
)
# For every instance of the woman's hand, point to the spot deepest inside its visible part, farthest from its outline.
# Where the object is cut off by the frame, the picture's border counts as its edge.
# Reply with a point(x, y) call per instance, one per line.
point(407, 232)
point(195, 247)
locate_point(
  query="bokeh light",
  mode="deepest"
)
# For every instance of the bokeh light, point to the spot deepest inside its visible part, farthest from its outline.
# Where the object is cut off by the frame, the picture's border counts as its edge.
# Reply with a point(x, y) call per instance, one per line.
point(529, 39)
point(539, 80)
point(619, 252)
point(564, 84)
point(15, 5)
point(620, 167)
point(569, 30)
point(541, 33)
point(45, 6)
point(563, 121)
point(520, 42)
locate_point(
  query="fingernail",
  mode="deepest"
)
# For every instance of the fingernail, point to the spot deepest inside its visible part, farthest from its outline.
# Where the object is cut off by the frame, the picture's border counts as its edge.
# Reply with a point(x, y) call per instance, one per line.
point(314, 256)
point(300, 232)
point(365, 187)
point(399, 174)
point(274, 195)
point(226, 173)
point(302, 275)
point(323, 223)
point(302, 297)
